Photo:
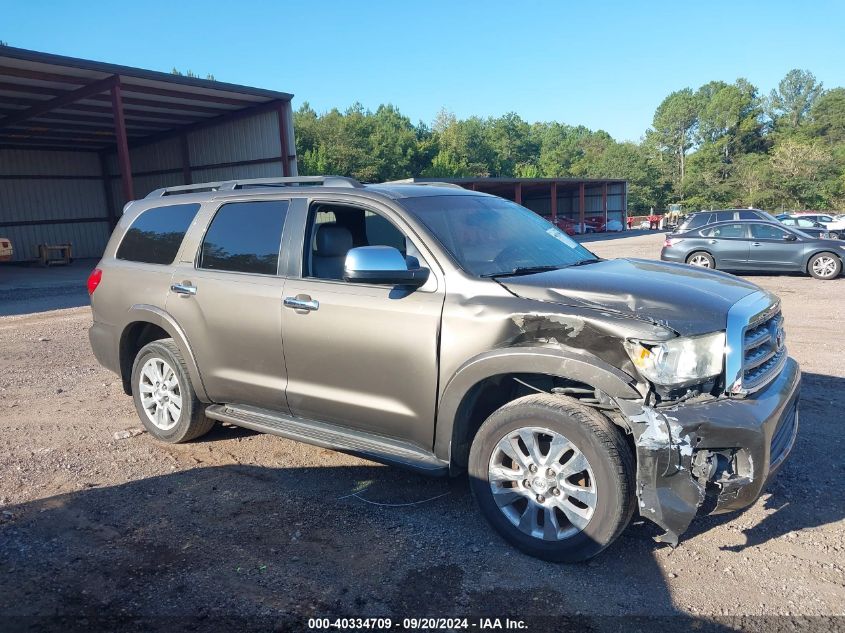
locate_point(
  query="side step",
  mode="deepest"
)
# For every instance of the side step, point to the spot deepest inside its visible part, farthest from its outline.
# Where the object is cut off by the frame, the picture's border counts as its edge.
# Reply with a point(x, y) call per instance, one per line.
point(377, 448)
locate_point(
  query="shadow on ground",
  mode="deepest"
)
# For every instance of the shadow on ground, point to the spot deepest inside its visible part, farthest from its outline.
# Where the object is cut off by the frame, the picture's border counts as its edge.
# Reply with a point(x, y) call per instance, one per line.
point(246, 547)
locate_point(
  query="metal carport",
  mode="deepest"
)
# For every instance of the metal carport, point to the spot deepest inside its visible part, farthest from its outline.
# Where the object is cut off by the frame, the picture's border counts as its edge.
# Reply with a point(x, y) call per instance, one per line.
point(79, 138)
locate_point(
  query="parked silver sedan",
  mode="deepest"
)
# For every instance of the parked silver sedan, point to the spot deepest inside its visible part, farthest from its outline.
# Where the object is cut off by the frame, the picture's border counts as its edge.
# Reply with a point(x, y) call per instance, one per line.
point(755, 245)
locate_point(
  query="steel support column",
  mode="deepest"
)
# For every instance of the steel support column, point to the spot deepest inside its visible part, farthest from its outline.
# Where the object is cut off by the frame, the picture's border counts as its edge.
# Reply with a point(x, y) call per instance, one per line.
point(554, 202)
point(122, 143)
point(517, 194)
point(283, 138)
point(604, 203)
point(581, 207)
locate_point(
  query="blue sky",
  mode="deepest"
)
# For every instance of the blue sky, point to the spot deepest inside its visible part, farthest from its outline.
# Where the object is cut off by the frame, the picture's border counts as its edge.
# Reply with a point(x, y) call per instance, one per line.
point(606, 65)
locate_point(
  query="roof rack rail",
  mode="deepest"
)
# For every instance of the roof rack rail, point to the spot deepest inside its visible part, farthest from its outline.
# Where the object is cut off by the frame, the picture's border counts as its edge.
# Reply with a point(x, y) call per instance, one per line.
point(287, 181)
point(411, 181)
point(246, 183)
point(169, 191)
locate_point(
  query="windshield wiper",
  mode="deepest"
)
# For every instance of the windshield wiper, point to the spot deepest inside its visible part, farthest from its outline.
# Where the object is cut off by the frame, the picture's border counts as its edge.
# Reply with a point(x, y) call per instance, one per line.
point(584, 262)
point(522, 270)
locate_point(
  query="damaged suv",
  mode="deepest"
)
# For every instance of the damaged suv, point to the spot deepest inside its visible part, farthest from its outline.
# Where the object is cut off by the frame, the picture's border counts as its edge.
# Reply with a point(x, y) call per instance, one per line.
point(450, 331)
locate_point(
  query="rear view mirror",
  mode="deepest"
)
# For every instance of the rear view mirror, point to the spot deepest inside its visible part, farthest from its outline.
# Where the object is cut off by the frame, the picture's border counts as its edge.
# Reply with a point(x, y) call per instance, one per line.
point(383, 265)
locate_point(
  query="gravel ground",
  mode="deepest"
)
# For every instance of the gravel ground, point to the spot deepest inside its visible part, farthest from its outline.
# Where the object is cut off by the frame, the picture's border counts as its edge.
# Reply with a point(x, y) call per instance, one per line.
point(265, 530)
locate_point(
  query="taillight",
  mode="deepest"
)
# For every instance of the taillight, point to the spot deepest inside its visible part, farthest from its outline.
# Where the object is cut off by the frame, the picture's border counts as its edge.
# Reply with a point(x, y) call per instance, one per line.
point(94, 280)
point(671, 241)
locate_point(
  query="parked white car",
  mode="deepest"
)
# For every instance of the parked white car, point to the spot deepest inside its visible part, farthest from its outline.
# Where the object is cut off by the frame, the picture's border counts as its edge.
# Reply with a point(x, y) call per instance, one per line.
point(833, 223)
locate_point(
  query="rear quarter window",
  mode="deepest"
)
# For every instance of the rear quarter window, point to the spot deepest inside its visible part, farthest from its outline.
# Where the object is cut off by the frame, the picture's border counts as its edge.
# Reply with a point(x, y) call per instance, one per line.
point(157, 233)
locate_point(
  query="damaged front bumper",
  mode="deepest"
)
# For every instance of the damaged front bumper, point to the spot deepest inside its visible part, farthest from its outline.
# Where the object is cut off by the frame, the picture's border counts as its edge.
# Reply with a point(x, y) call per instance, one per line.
point(715, 455)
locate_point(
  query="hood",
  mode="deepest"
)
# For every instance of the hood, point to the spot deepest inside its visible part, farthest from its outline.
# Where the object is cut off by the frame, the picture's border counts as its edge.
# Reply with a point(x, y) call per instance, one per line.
point(689, 300)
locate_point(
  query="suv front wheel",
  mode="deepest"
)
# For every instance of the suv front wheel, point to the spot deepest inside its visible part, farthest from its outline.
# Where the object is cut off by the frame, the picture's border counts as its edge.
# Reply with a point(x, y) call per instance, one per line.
point(163, 394)
point(553, 477)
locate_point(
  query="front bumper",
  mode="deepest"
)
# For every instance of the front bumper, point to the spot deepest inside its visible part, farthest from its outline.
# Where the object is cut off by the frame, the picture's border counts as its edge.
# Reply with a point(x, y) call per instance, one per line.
point(722, 451)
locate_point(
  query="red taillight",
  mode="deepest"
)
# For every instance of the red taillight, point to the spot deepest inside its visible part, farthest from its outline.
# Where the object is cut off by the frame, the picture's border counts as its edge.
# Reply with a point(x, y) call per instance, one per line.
point(94, 280)
point(671, 241)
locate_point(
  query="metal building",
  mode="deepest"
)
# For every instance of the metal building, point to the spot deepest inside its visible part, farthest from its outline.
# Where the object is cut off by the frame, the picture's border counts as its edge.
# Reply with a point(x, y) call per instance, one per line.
point(577, 201)
point(78, 139)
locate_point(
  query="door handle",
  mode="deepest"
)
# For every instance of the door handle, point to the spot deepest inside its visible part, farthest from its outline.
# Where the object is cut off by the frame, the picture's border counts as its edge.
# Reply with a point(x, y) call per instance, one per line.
point(185, 289)
point(712, 241)
point(298, 303)
point(755, 243)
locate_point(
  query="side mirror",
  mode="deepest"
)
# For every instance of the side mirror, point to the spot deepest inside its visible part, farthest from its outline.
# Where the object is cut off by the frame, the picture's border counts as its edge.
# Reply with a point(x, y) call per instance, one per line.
point(789, 237)
point(383, 265)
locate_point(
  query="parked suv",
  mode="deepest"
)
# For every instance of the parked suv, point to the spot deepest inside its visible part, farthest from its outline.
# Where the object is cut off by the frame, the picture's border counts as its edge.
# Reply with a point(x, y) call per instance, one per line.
point(450, 331)
point(703, 218)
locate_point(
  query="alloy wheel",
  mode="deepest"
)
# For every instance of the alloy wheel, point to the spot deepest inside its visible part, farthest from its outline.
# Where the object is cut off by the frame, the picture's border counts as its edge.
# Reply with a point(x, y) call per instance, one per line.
point(700, 260)
point(824, 266)
point(542, 483)
point(160, 394)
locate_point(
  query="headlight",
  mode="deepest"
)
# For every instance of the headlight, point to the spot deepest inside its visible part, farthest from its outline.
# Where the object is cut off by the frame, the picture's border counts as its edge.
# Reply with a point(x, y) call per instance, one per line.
point(679, 361)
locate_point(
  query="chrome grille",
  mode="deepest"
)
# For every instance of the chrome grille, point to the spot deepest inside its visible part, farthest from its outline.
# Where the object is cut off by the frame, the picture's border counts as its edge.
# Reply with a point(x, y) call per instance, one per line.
point(763, 352)
point(755, 352)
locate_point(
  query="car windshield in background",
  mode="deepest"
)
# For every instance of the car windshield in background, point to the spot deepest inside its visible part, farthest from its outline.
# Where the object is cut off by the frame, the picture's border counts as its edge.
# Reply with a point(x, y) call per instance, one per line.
point(490, 236)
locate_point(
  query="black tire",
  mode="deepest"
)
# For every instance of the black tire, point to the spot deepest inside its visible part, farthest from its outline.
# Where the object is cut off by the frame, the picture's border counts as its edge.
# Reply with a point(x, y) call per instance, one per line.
point(704, 256)
point(837, 268)
point(604, 447)
point(191, 422)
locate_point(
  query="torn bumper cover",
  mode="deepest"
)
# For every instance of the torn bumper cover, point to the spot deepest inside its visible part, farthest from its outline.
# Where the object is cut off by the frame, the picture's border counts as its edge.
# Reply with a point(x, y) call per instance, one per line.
point(722, 451)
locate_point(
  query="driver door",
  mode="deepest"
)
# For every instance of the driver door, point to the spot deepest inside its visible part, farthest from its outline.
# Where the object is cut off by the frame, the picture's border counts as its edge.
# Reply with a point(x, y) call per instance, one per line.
point(362, 355)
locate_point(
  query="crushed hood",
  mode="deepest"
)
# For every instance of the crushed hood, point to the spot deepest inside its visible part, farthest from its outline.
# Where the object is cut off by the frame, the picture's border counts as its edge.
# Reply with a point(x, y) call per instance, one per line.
point(688, 300)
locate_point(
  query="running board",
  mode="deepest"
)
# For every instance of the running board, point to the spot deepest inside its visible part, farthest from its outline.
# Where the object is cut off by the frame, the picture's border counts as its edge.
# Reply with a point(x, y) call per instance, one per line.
point(376, 448)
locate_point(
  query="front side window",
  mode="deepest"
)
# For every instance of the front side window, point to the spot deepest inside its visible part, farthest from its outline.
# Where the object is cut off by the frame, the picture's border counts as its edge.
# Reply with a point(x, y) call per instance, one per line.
point(156, 234)
point(767, 232)
point(489, 236)
point(335, 229)
point(245, 237)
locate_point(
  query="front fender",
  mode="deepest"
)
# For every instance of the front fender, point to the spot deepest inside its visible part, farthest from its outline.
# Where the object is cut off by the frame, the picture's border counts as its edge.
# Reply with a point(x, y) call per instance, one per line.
point(152, 314)
point(552, 360)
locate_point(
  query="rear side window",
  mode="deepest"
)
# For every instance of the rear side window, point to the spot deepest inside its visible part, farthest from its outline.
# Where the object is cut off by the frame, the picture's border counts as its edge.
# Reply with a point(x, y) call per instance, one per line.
point(724, 216)
point(699, 220)
point(156, 234)
point(245, 237)
point(725, 230)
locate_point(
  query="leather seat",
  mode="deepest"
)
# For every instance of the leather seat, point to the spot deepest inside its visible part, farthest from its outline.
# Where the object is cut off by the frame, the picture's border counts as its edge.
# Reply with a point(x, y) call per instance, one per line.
point(333, 242)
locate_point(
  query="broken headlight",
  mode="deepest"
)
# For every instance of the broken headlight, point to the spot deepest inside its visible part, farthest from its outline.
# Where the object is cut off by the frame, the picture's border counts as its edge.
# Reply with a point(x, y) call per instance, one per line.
point(679, 361)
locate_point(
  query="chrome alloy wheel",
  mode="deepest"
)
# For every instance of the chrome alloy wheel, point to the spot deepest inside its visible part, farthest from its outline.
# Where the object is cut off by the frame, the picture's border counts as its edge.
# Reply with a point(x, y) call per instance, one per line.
point(542, 483)
point(161, 397)
point(700, 260)
point(824, 266)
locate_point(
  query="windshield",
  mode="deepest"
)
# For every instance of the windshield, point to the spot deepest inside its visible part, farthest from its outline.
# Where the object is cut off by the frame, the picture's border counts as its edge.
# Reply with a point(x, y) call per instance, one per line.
point(490, 236)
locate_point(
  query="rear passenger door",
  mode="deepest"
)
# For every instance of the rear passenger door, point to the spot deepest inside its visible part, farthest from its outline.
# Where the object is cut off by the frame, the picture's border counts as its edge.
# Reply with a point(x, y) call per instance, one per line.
point(728, 243)
point(226, 294)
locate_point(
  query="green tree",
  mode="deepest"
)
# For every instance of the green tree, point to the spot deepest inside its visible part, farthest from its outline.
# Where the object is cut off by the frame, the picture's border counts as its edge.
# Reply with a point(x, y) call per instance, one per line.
point(794, 98)
point(827, 116)
point(674, 129)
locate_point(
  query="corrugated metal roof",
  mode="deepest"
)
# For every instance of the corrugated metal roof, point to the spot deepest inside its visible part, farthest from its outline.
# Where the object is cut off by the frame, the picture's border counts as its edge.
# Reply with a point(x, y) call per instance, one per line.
point(56, 102)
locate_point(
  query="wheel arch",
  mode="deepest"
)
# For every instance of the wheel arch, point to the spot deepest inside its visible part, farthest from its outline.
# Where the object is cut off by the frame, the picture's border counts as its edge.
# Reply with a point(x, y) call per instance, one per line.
point(147, 323)
point(701, 250)
point(486, 382)
point(819, 251)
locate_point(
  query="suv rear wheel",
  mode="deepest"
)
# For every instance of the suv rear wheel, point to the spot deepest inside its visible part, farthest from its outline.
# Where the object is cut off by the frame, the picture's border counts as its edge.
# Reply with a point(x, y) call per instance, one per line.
point(553, 477)
point(163, 395)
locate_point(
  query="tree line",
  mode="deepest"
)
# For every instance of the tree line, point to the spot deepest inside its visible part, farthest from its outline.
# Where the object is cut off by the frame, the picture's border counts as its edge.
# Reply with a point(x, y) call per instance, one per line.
point(723, 144)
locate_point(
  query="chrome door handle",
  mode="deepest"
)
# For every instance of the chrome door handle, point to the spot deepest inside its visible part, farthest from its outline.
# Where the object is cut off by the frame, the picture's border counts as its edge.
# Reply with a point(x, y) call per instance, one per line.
point(755, 243)
point(301, 304)
point(184, 289)
point(712, 241)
